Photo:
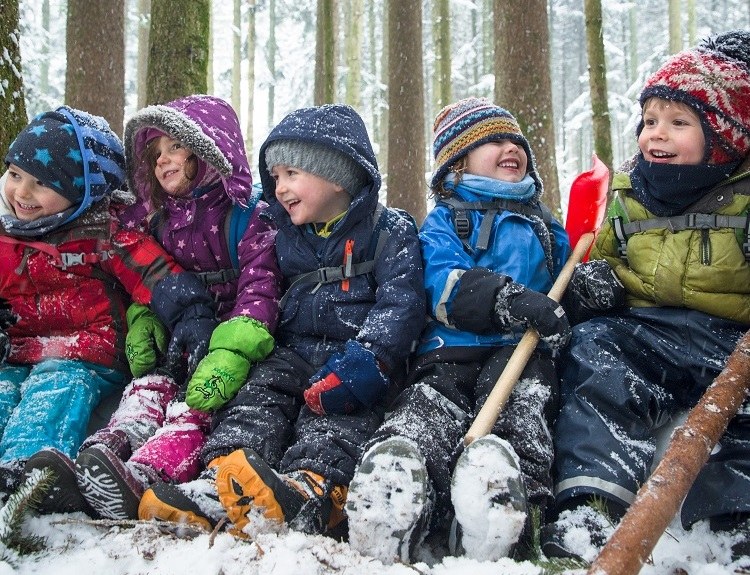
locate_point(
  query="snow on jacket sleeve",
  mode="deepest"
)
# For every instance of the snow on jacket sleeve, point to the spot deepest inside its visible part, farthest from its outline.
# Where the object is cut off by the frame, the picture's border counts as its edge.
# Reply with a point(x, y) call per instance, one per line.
point(398, 316)
point(259, 284)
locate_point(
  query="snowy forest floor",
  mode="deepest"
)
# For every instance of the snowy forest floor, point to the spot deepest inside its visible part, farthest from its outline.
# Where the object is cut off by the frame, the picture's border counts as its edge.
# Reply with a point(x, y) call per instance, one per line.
point(76, 545)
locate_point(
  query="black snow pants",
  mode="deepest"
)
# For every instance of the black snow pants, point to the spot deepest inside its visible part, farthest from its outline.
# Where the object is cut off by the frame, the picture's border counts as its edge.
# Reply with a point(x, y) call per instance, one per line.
point(447, 388)
point(624, 377)
point(269, 415)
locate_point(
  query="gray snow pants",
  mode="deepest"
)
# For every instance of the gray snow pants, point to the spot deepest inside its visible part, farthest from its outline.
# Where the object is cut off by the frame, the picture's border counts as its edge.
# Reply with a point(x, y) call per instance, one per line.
point(436, 410)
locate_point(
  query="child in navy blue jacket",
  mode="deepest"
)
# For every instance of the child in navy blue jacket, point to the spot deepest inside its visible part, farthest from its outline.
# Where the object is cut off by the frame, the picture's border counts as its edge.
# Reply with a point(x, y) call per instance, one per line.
point(286, 445)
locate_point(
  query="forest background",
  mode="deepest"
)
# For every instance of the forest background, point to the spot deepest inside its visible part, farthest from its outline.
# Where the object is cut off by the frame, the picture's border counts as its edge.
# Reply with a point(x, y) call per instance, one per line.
point(570, 70)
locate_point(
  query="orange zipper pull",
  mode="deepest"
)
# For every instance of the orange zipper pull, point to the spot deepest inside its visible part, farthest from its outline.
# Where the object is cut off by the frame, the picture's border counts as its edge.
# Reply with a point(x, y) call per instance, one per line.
point(348, 251)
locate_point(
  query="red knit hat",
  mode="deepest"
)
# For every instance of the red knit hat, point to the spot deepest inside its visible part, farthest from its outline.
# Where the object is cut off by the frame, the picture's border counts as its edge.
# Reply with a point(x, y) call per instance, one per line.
point(714, 80)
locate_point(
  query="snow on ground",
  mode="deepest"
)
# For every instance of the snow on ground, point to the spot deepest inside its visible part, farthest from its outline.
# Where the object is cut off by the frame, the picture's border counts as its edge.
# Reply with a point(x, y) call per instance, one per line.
point(77, 546)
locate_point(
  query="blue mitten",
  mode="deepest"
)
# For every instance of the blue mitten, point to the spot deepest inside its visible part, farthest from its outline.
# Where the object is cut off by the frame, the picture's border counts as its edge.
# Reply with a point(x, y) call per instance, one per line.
point(348, 381)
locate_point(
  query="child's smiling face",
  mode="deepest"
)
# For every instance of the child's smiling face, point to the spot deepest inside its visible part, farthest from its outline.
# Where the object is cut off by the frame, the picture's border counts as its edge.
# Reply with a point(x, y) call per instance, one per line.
point(672, 133)
point(172, 166)
point(308, 198)
point(29, 198)
point(503, 160)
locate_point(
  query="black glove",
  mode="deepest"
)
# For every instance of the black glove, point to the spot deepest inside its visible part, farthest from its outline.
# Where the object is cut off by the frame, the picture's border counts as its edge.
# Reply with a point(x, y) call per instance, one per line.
point(596, 287)
point(185, 306)
point(518, 305)
point(7, 319)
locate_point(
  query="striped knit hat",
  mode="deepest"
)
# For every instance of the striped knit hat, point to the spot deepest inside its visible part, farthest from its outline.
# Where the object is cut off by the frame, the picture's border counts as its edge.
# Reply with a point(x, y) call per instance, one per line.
point(467, 124)
point(714, 80)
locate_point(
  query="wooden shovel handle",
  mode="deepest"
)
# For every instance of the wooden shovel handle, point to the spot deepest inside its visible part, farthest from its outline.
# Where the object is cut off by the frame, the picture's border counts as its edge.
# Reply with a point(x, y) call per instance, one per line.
point(491, 409)
point(659, 499)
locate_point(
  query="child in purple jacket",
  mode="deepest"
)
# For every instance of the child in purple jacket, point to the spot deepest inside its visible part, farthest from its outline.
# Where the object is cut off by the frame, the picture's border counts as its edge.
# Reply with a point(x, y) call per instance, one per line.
point(187, 164)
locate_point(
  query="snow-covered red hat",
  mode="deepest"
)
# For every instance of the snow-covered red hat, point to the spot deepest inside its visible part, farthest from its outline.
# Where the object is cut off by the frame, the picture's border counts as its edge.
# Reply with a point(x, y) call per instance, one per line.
point(714, 80)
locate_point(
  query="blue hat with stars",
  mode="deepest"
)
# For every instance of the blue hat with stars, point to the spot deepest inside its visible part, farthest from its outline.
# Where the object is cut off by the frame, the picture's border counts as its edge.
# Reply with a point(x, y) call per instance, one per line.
point(72, 152)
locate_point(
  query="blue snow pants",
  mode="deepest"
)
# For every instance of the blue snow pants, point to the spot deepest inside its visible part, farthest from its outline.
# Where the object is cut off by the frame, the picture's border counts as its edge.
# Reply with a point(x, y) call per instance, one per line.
point(49, 405)
point(623, 378)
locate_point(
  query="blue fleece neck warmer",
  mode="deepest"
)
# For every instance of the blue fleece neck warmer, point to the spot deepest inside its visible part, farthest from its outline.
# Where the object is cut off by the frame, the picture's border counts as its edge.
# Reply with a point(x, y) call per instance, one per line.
point(496, 189)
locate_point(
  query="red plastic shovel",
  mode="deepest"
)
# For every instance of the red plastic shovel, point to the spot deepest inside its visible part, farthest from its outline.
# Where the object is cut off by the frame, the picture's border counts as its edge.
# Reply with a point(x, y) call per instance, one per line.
point(586, 206)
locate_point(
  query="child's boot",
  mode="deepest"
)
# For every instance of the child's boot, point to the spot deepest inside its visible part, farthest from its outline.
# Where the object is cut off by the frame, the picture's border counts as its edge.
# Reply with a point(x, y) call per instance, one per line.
point(175, 449)
point(489, 500)
point(389, 502)
point(578, 533)
point(63, 496)
point(303, 499)
point(192, 503)
point(112, 487)
point(141, 413)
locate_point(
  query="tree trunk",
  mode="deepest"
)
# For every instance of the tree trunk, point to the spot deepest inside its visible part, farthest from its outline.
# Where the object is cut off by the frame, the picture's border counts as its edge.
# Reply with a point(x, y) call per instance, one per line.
point(675, 28)
point(144, 17)
point(598, 81)
point(44, 50)
point(271, 59)
point(210, 57)
point(95, 46)
point(384, 73)
point(521, 35)
point(12, 101)
point(178, 49)
point(237, 56)
point(325, 53)
point(353, 43)
point(249, 125)
point(441, 38)
point(406, 150)
point(692, 23)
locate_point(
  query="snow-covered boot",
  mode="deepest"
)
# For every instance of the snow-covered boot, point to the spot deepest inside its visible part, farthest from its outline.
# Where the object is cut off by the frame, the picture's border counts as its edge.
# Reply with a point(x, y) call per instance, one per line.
point(389, 502)
point(139, 415)
point(63, 496)
point(304, 500)
point(174, 451)
point(193, 503)
point(578, 533)
point(489, 500)
point(112, 487)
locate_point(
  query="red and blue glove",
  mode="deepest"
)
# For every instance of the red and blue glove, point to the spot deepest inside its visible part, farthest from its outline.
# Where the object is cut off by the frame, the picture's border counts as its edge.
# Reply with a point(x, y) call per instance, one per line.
point(348, 381)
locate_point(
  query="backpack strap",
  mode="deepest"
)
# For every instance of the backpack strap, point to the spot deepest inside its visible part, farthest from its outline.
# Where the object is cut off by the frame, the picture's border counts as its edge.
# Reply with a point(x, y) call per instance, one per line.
point(235, 224)
point(63, 260)
point(462, 223)
point(691, 221)
point(332, 274)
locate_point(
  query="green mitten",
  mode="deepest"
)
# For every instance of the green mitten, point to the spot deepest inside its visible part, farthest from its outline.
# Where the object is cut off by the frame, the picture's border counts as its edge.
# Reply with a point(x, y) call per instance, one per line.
point(145, 341)
point(235, 345)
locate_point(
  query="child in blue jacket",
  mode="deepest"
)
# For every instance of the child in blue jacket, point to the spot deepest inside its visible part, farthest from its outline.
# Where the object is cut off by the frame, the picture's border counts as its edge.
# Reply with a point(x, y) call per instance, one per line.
point(491, 250)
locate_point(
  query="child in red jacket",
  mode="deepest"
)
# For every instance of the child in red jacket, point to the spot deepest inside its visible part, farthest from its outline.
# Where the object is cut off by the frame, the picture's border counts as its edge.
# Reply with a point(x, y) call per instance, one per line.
point(66, 268)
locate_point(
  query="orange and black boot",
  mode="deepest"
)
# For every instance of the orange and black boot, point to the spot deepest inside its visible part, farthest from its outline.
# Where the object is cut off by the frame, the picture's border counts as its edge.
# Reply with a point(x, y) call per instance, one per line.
point(304, 500)
point(193, 503)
